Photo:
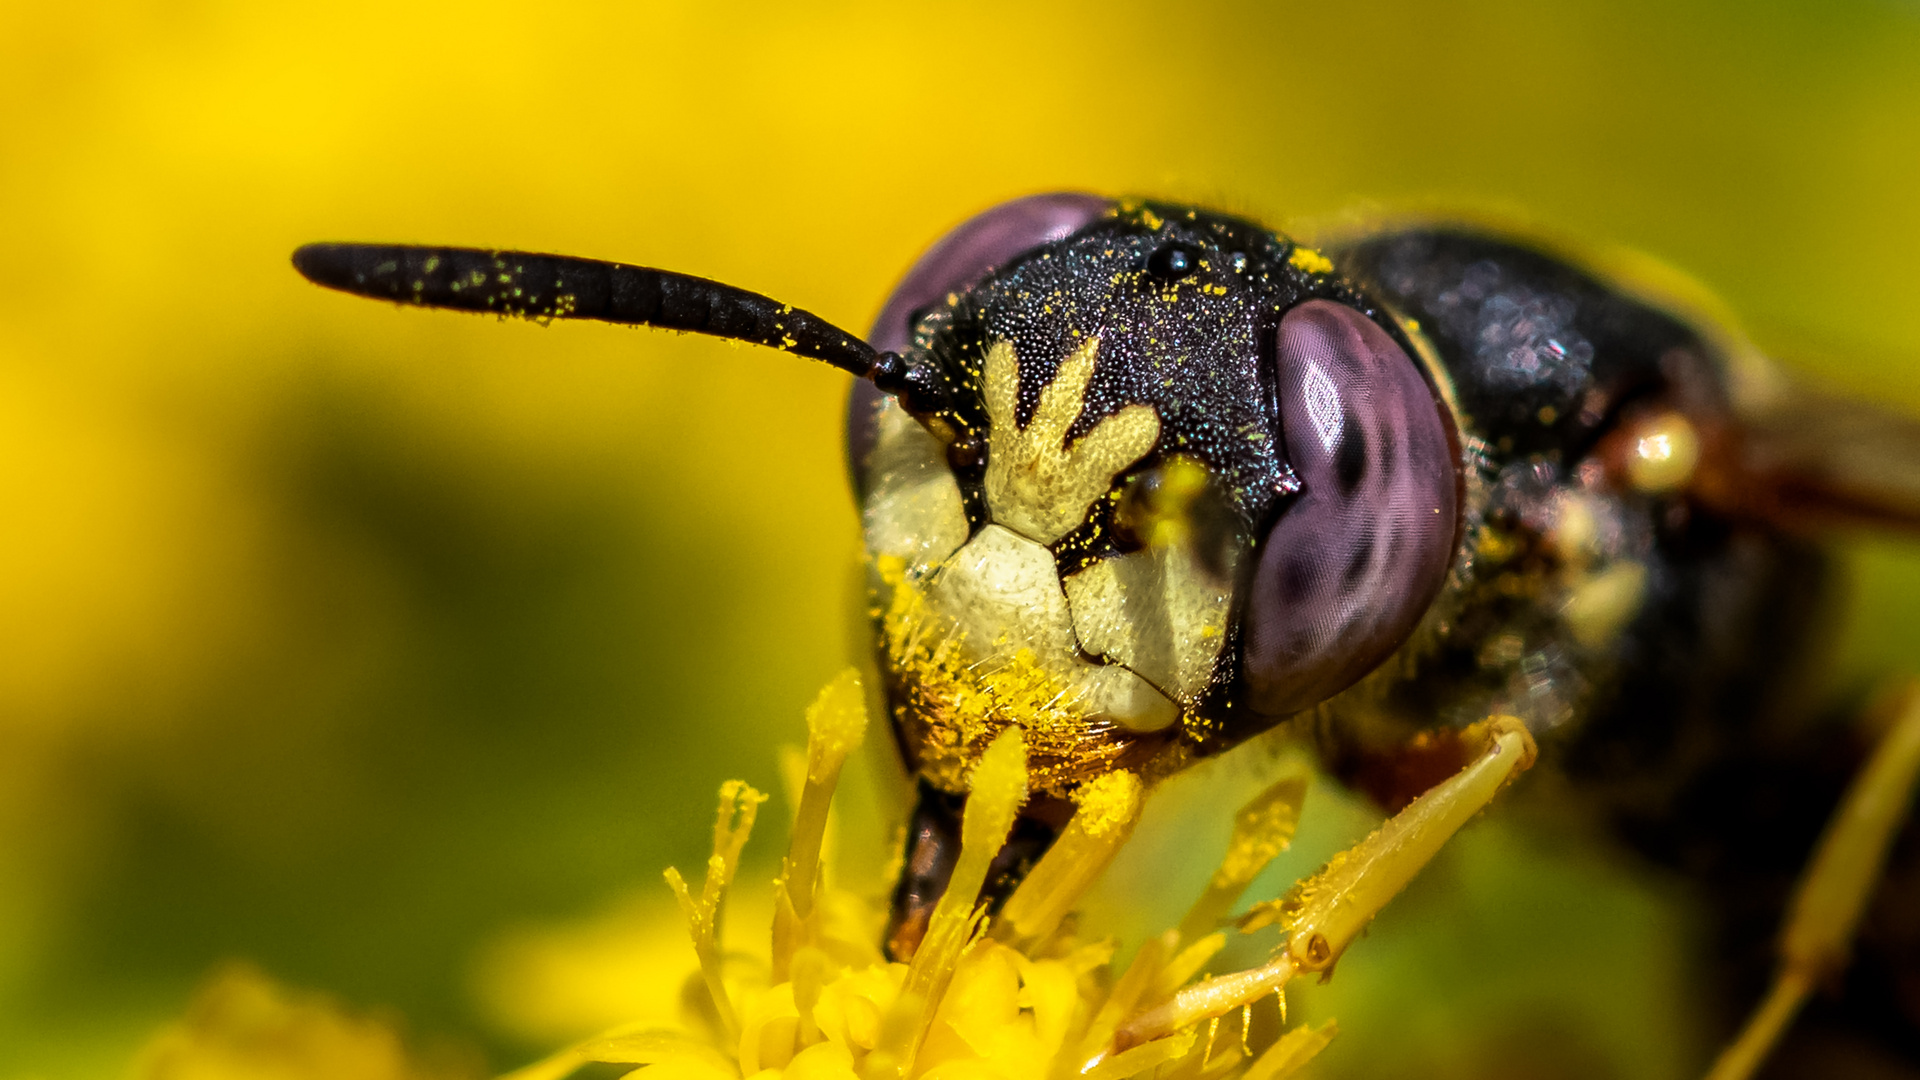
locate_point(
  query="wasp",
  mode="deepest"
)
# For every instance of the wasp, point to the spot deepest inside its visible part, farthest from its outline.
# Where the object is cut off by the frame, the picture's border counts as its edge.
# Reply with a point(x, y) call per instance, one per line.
point(1147, 480)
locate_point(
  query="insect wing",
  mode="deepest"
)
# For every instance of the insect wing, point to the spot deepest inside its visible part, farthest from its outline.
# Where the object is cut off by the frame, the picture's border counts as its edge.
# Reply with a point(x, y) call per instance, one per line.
point(1809, 459)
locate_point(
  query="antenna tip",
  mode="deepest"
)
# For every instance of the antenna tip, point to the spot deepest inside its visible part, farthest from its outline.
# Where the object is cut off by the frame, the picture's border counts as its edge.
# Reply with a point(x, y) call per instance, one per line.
point(331, 265)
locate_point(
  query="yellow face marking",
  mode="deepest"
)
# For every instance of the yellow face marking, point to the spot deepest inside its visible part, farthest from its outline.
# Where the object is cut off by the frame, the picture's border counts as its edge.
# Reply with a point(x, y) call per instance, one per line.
point(1157, 611)
point(988, 644)
point(978, 632)
point(1036, 485)
point(913, 510)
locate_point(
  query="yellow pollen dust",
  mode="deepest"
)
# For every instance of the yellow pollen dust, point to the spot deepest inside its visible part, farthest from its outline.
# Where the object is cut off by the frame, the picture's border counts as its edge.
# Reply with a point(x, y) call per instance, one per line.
point(952, 709)
point(1309, 261)
point(1108, 802)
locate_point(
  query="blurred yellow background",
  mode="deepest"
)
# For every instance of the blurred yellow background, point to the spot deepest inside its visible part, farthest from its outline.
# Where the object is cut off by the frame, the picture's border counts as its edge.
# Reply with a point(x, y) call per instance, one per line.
point(347, 639)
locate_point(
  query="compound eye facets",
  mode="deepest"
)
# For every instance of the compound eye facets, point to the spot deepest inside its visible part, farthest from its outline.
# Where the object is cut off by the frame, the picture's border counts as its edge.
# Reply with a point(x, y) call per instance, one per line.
point(1355, 559)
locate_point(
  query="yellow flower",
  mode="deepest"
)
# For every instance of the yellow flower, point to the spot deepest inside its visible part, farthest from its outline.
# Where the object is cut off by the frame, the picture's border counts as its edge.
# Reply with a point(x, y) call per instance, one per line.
point(243, 1026)
point(1018, 996)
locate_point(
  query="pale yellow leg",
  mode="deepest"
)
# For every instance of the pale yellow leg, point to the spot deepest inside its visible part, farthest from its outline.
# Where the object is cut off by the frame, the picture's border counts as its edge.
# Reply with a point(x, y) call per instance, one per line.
point(1323, 914)
point(1838, 883)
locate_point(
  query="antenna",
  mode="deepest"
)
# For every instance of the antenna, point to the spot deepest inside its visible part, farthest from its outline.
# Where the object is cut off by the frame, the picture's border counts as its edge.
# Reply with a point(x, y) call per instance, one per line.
point(560, 287)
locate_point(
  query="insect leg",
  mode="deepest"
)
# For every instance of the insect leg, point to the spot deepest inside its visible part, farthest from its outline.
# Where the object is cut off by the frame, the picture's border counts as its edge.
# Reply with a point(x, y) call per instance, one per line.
point(1836, 887)
point(1323, 914)
point(933, 849)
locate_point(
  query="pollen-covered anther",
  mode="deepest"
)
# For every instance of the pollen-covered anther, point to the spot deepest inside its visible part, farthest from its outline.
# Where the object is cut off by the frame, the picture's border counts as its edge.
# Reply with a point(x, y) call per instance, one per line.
point(739, 803)
point(1108, 807)
point(1262, 829)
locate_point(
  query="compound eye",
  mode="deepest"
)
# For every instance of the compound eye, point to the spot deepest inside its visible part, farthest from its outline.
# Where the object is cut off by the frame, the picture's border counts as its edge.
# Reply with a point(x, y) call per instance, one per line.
point(961, 258)
point(1356, 558)
point(975, 246)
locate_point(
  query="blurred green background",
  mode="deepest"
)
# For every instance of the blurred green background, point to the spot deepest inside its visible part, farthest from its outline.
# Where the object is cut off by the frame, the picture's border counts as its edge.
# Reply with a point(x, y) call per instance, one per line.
point(351, 639)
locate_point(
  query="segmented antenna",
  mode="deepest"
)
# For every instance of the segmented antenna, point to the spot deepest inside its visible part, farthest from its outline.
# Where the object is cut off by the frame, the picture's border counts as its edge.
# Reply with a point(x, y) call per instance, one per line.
point(560, 287)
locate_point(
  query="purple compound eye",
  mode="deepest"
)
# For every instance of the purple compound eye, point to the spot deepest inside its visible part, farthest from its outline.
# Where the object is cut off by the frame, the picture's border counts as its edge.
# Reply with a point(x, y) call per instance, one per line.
point(975, 246)
point(1353, 562)
point(961, 258)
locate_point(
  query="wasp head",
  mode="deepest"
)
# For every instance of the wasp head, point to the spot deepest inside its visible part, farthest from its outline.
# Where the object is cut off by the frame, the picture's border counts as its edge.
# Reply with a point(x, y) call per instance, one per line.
point(1070, 519)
